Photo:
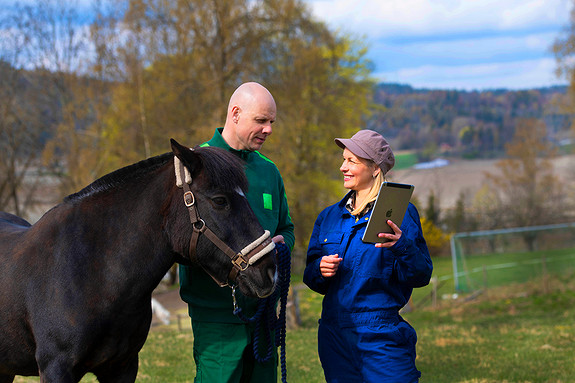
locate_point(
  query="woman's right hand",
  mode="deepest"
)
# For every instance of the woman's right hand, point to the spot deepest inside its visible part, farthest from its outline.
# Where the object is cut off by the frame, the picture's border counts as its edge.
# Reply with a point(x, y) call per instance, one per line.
point(329, 264)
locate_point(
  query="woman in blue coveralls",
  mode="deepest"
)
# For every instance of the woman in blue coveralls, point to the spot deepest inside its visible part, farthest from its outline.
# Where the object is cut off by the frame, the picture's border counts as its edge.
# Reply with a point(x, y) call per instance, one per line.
point(361, 336)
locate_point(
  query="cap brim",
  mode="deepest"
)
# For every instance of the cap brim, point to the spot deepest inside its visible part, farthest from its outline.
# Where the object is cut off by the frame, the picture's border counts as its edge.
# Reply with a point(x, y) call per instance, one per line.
point(352, 146)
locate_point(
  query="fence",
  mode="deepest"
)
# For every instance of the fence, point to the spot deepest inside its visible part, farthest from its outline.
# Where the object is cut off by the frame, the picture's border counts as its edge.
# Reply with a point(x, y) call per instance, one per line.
point(499, 257)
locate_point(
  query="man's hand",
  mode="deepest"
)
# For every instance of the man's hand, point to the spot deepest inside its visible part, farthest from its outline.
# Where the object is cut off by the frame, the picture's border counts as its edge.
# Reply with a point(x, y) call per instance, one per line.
point(278, 239)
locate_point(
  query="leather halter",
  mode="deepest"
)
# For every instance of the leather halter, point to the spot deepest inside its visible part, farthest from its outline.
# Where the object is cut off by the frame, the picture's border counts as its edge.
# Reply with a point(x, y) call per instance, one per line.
point(240, 261)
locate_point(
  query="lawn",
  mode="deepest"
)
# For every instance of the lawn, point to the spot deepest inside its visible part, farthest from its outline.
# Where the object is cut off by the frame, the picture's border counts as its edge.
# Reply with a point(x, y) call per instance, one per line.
point(512, 334)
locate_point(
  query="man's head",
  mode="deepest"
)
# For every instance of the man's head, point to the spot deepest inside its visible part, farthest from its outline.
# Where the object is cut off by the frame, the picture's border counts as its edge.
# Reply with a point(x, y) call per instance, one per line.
point(251, 112)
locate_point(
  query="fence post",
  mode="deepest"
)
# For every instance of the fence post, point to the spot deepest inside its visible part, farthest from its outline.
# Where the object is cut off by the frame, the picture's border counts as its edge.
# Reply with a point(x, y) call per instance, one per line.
point(434, 291)
point(293, 317)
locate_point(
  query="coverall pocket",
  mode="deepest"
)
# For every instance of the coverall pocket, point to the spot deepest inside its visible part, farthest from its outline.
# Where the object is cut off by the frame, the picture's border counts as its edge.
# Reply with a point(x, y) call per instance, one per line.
point(330, 242)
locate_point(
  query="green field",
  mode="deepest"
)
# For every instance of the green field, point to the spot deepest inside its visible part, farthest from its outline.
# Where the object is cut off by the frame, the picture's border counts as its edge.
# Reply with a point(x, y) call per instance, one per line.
point(405, 160)
point(493, 270)
point(509, 334)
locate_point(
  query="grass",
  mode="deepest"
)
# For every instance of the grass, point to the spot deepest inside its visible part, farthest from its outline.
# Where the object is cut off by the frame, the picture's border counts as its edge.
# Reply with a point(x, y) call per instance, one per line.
point(512, 334)
point(405, 160)
point(502, 269)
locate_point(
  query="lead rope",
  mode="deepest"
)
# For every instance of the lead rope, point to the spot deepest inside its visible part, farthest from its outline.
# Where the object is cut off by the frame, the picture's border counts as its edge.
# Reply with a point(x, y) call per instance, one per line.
point(265, 317)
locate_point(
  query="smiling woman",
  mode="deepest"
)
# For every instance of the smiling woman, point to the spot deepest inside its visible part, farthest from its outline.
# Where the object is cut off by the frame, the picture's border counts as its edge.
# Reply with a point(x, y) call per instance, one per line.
point(365, 285)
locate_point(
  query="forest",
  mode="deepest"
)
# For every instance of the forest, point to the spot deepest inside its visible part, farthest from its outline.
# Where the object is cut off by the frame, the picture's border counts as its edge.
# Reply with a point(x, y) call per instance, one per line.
point(468, 124)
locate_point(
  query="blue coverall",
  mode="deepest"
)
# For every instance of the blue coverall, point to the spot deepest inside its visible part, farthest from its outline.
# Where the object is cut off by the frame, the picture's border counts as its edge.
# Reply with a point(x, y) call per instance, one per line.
point(361, 336)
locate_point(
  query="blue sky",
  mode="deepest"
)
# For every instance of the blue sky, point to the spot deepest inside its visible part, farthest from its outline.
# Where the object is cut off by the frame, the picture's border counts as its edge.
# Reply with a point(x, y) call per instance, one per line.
point(449, 44)
point(455, 44)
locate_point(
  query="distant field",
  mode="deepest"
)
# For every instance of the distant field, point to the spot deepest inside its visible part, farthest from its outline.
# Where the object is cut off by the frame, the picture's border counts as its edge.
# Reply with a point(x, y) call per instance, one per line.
point(405, 160)
point(459, 176)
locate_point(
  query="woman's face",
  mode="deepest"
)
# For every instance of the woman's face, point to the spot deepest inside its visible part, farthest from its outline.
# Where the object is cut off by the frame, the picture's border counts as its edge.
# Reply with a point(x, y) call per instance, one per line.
point(357, 172)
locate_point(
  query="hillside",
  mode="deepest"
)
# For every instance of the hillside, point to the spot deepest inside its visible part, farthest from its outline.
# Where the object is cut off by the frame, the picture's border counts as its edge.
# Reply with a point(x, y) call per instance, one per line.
point(470, 124)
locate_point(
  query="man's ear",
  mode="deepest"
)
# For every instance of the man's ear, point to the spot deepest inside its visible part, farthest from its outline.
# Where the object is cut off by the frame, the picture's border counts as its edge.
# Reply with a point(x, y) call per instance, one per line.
point(236, 111)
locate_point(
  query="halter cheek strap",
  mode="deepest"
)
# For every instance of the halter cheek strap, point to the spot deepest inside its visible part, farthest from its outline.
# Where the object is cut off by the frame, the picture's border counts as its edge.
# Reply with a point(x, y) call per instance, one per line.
point(240, 261)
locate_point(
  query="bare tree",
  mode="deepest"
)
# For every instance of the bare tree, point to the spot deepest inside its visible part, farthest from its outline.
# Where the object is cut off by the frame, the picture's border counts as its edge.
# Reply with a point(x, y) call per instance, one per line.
point(20, 129)
point(527, 191)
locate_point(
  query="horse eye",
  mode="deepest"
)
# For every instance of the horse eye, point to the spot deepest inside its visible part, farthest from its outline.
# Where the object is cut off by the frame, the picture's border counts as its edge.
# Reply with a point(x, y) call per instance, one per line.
point(220, 202)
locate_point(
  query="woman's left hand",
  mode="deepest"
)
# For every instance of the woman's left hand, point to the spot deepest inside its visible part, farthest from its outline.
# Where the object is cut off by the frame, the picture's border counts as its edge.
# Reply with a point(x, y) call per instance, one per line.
point(392, 238)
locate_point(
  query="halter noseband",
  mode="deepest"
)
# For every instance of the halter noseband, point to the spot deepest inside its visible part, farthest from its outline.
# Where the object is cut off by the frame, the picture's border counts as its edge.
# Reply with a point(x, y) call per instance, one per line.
point(240, 261)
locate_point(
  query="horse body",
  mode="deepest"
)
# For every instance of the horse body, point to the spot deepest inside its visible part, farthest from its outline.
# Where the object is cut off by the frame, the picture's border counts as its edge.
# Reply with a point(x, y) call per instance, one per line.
point(76, 286)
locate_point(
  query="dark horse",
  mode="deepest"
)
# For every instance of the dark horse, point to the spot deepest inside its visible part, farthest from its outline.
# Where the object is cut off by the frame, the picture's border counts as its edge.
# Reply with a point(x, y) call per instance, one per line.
point(75, 287)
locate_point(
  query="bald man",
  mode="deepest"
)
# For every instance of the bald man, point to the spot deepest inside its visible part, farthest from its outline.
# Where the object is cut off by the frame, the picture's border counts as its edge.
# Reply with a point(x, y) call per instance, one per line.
point(223, 344)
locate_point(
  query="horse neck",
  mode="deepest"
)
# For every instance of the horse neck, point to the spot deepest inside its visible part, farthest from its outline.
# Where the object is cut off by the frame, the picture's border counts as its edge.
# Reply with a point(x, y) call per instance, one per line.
point(122, 230)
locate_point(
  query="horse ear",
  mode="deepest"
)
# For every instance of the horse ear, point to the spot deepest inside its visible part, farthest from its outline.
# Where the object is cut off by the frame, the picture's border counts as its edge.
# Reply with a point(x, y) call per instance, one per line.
point(187, 156)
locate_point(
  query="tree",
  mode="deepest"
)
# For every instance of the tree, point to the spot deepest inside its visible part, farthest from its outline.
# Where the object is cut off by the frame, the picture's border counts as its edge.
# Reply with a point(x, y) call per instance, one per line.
point(323, 90)
point(55, 51)
point(24, 109)
point(165, 68)
point(181, 60)
point(432, 210)
point(526, 190)
point(564, 50)
point(458, 219)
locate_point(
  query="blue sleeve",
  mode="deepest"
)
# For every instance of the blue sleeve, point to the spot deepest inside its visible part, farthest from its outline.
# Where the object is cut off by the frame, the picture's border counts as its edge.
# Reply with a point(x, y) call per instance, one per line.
point(413, 265)
point(312, 275)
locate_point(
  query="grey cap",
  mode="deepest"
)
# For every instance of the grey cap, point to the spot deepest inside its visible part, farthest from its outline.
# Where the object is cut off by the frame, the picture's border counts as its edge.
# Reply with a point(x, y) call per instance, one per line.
point(370, 145)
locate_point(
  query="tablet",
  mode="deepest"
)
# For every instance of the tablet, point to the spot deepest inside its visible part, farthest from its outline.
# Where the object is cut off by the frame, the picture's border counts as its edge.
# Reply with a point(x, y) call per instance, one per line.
point(391, 203)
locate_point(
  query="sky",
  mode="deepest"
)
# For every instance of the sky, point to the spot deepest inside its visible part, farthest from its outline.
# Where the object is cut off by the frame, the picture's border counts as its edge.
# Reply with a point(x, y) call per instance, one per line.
point(455, 44)
point(449, 44)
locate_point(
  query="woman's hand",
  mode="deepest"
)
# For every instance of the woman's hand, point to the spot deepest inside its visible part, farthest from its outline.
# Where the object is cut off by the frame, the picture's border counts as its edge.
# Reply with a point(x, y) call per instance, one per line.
point(329, 265)
point(393, 238)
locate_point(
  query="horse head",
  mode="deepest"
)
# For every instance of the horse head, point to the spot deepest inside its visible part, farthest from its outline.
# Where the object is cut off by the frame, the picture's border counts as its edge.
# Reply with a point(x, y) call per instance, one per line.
point(226, 239)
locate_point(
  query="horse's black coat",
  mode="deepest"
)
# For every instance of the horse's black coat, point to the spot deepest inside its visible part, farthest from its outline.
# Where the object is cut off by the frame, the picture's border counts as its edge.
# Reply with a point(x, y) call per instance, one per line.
point(75, 287)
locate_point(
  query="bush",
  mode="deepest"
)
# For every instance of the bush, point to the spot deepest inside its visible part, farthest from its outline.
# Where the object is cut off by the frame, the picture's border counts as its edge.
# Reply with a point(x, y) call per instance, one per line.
point(437, 240)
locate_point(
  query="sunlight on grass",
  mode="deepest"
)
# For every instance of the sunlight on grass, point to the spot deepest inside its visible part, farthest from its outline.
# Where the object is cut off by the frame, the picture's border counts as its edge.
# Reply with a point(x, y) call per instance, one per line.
point(513, 334)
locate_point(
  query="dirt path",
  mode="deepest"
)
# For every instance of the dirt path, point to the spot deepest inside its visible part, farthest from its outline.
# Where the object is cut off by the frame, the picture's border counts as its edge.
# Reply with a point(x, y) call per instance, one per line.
point(171, 301)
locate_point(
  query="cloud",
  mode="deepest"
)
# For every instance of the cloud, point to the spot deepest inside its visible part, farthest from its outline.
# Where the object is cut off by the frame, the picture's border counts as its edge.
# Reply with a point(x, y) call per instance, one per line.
point(385, 18)
point(455, 43)
point(512, 75)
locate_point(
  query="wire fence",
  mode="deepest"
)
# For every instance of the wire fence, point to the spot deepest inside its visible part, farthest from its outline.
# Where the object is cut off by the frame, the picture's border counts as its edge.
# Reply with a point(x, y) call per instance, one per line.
point(486, 259)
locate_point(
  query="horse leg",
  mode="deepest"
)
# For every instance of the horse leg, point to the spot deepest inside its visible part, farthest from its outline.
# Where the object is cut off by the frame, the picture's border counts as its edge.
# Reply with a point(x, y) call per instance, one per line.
point(124, 371)
point(6, 378)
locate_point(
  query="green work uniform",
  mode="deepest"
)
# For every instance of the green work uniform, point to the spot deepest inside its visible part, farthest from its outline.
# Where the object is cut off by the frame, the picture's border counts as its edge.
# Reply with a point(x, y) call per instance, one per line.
point(222, 342)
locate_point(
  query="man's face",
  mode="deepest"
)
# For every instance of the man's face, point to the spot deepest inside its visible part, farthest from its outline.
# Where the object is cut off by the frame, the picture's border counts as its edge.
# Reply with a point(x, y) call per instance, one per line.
point(254, 125)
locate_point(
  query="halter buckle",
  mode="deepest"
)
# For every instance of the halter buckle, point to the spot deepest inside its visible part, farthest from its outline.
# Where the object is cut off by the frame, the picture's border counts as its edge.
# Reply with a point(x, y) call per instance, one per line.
point(189, 199)
point(240, 262)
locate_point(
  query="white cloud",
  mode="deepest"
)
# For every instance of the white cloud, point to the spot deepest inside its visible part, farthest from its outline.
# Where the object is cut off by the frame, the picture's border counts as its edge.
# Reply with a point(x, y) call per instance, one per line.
point(460, 44)
point(512, 75)
point(378, 18)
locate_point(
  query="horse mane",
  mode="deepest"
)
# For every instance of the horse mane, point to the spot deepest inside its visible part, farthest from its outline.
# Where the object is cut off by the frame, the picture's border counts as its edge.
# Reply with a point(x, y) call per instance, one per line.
point(121, 176)
point(221, 168)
